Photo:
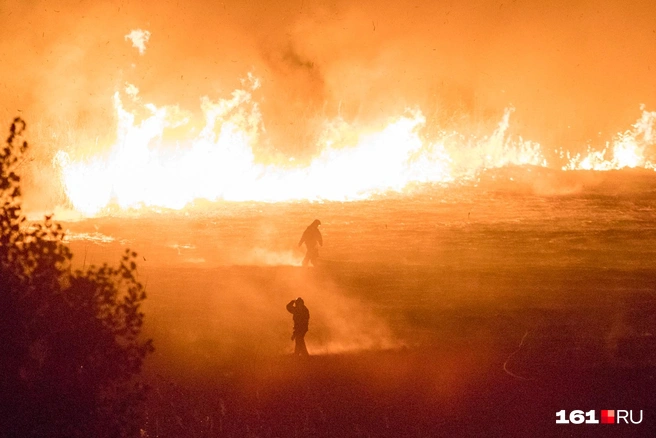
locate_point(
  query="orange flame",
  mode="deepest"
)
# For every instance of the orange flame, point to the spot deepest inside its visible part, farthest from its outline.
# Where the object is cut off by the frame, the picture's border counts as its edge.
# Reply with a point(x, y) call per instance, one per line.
point(628, 149)
point(143, 169)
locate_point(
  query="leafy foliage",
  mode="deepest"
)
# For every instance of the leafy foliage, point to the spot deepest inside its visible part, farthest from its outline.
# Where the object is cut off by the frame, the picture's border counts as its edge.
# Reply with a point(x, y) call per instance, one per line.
point(70, 344)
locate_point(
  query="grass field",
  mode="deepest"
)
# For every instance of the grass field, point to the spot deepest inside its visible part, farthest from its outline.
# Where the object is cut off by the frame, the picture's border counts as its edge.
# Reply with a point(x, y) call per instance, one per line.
point(464, 312)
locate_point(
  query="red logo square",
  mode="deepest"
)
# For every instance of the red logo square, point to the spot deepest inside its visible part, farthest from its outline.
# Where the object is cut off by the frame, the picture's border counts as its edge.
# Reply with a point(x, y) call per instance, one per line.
point(607, 417)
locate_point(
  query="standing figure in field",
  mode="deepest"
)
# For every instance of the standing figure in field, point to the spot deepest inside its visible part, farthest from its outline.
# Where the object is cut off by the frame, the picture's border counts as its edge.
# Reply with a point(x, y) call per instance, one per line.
point(312, 238)
point(301, 320)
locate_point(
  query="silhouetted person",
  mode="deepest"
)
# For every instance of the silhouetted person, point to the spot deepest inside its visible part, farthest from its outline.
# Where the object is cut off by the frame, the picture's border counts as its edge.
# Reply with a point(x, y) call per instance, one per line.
point(301, 320)
point(312, 239)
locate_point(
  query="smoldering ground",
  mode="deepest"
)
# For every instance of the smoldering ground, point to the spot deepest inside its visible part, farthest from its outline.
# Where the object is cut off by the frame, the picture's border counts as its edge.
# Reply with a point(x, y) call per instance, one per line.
point(207, 318)
point(488, 296)
point(218, 288)
point(218, 282)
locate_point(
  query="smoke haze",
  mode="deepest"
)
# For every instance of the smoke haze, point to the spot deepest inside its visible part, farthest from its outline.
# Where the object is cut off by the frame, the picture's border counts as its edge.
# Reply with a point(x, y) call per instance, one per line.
point(571, 69)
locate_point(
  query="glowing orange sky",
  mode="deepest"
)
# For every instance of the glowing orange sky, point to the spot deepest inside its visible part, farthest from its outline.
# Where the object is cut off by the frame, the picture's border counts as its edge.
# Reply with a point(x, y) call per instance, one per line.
point(571, 69)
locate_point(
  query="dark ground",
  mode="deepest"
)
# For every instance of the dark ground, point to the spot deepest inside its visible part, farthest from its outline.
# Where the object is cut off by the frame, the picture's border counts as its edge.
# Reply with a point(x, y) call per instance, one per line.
point(461, 371)
point(456, 311)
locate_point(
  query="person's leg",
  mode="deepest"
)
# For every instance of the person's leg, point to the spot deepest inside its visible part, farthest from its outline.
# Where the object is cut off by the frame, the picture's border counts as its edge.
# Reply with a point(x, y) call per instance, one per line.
point(307, 257)
point(297, 346)
point(301, 349)
point(314, 256)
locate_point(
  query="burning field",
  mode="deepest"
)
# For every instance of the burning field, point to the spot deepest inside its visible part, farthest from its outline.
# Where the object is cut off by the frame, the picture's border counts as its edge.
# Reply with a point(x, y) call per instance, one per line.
point(484, 175)
point(428, 310)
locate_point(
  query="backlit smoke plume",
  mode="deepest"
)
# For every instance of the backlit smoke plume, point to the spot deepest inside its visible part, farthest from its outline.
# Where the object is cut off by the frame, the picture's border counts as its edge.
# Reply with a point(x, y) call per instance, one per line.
point(139, 39)
point(248, 315)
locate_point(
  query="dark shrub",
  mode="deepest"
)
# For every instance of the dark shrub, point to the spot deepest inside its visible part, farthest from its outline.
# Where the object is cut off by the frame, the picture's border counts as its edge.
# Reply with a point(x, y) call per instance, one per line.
point(70, 345)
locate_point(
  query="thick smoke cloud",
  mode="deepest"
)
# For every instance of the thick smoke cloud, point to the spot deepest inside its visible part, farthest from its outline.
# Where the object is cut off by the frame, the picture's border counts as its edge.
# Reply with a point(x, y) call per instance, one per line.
point(571, 69)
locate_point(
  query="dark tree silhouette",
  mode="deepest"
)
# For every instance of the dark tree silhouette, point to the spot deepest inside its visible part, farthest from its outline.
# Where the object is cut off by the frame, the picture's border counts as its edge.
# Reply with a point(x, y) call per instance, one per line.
point(70, 344)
